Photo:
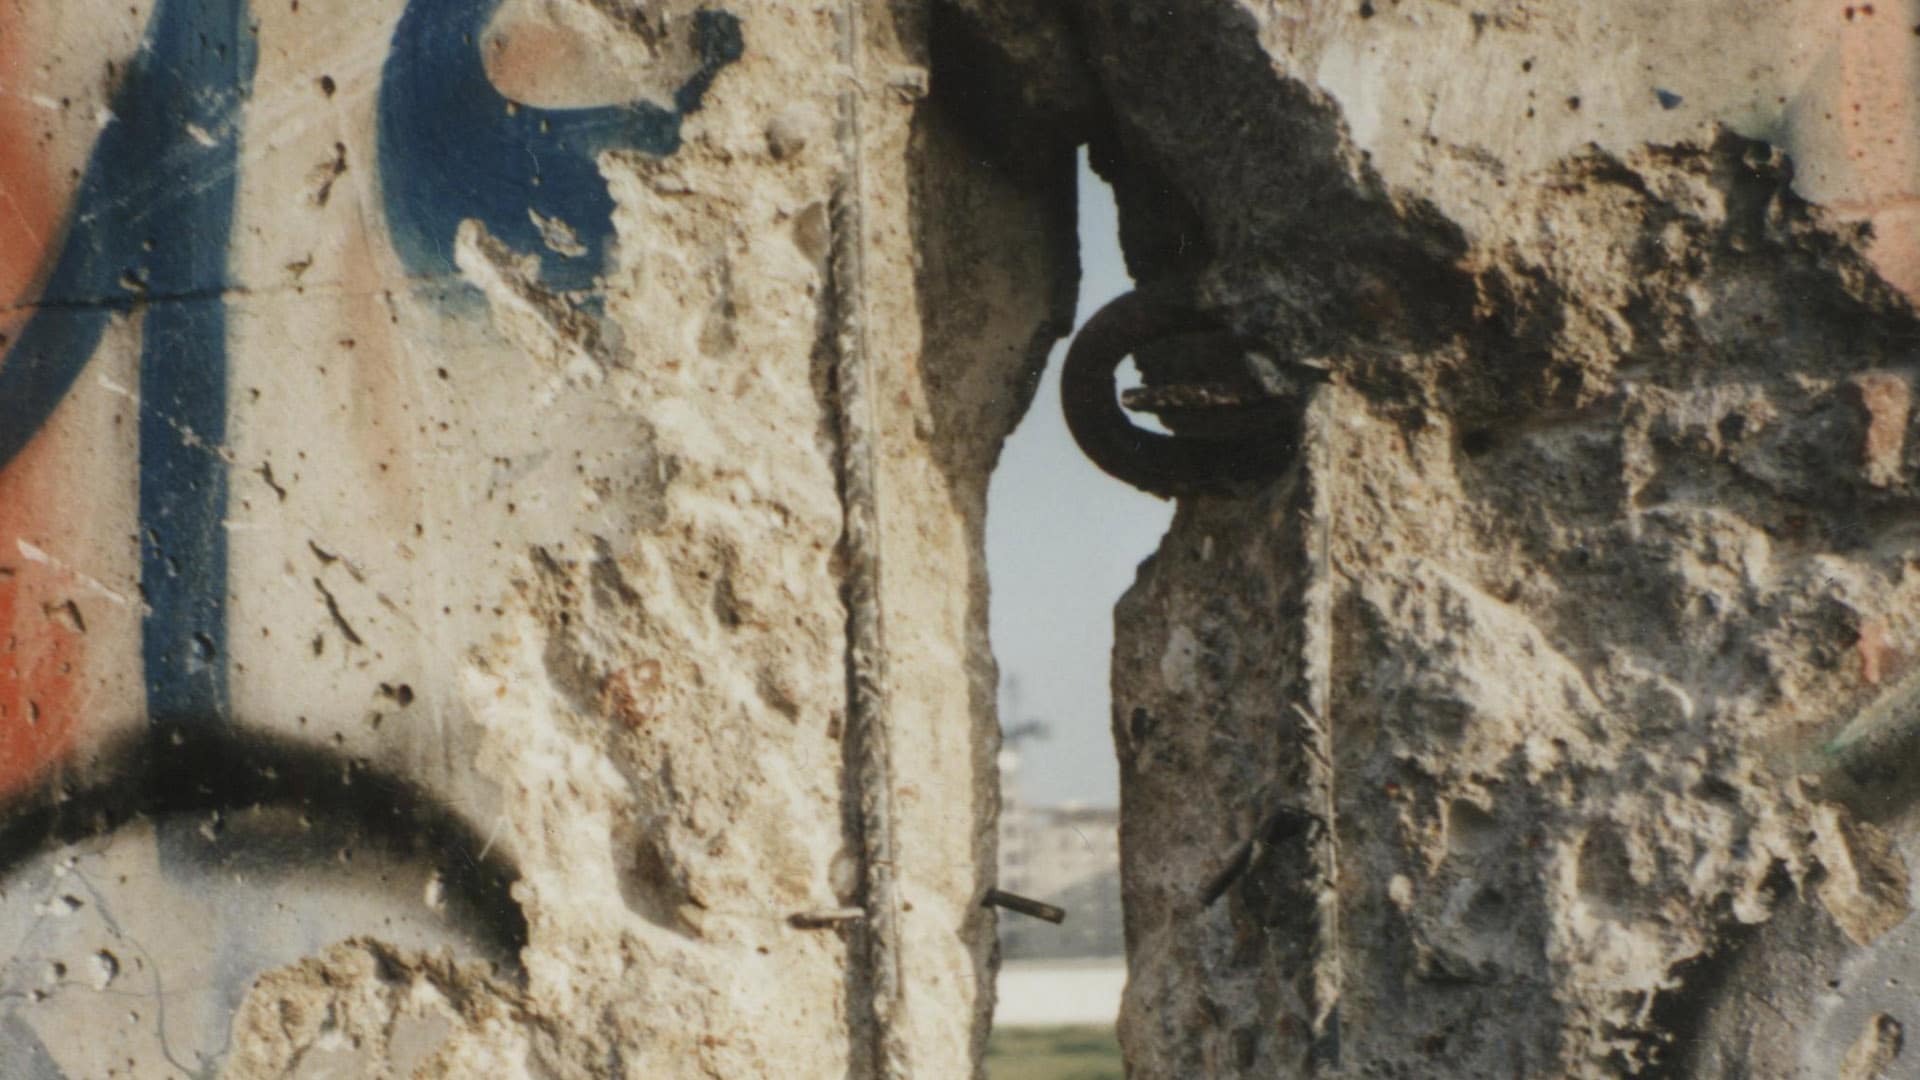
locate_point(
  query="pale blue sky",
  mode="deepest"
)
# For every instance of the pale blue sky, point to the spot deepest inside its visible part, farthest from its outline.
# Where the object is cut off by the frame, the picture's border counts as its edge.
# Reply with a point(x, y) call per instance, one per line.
point(1063, 542)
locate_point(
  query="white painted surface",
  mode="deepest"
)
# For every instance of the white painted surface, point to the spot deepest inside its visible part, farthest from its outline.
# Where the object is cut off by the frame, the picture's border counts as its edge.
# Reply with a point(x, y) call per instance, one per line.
point(1053, 993)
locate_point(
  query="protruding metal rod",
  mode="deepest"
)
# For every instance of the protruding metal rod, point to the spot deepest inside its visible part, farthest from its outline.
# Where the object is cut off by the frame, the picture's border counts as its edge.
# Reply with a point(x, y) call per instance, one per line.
point(1220, 882)
point(1025, 906)
point(1872, 762)
point(826, 918)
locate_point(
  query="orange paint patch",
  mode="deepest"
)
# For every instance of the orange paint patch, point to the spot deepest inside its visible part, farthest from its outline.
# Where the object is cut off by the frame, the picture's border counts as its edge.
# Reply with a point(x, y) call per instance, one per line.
point(41, 686)
point(1873, 651)
point(29, 205)
point(532, 62)
point(1887, 401)
point(382, 396)
point(41, 627)
point(1879, 126)
point(633, 693)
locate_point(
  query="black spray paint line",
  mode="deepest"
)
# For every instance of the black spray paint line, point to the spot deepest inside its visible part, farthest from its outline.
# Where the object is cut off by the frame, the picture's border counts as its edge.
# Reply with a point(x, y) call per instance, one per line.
point(181, 775)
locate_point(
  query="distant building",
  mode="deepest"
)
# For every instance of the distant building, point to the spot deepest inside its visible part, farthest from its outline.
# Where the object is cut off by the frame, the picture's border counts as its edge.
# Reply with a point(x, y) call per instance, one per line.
point(1067, 855)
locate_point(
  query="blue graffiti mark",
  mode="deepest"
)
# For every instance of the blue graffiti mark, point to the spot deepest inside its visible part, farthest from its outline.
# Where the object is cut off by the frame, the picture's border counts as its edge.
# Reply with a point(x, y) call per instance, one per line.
point(452, 147)
point(198, 68)
point(148, 230)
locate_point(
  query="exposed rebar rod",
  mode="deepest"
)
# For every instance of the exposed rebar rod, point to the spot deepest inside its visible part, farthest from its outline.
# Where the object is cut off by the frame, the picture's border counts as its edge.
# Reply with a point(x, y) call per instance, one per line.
point(1315, 716)
point(867, 731)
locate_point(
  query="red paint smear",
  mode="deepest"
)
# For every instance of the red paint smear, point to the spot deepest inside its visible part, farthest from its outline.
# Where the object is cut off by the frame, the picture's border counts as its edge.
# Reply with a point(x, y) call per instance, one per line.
point(29, 205)
point(1880, 134)
point(40, 648)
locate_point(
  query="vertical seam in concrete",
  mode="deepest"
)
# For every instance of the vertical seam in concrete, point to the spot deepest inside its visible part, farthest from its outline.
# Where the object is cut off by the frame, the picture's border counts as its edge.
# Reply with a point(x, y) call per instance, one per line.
point(867, 675)
point(1317, 662)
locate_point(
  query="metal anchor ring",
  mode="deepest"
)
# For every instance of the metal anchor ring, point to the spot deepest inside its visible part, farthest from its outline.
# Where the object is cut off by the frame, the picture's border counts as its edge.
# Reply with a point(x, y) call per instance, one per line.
point(1164, 465)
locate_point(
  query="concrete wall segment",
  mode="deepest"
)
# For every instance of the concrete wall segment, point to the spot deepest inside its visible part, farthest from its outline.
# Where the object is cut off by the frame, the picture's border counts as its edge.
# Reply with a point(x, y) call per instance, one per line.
point(485, 447)
point(1611, 556)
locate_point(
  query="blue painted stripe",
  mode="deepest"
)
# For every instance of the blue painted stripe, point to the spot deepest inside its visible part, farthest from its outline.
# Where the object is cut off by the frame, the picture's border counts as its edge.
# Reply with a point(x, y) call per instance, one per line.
point(149, 229)
point(195, 73)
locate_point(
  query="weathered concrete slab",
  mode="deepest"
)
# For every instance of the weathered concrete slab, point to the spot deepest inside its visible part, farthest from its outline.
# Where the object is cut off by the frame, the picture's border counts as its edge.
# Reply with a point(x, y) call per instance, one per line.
point(424, 434)
point(1606, 532)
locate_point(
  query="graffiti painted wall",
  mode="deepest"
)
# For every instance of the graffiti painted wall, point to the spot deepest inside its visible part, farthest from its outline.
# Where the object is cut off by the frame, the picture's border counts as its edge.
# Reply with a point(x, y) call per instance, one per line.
point(423, 592)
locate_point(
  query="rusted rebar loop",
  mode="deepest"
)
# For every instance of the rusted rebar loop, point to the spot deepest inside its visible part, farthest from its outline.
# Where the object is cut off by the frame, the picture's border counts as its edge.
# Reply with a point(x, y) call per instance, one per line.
point(1165, 465)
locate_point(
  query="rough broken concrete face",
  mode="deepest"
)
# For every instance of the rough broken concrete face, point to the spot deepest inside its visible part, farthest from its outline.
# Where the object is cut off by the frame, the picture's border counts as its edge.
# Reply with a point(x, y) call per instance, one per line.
point(1599, 536)
point(423, 559)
